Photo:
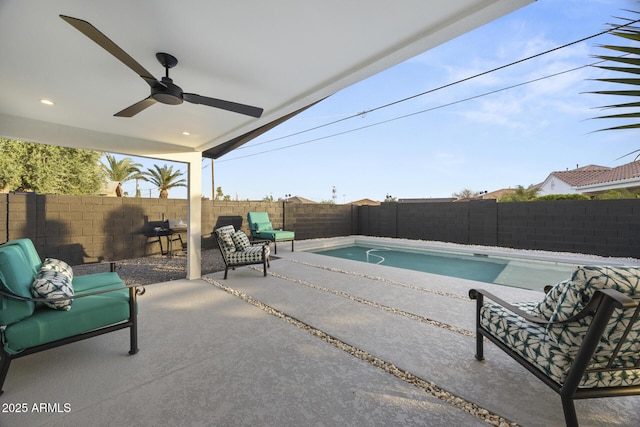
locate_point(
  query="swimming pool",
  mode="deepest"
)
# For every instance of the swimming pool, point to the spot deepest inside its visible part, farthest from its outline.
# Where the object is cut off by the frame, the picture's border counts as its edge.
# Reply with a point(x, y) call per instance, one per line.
point(516, 272)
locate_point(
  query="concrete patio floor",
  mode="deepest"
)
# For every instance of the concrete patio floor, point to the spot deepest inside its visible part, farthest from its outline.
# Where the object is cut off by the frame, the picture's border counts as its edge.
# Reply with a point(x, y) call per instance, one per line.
point(212, 352)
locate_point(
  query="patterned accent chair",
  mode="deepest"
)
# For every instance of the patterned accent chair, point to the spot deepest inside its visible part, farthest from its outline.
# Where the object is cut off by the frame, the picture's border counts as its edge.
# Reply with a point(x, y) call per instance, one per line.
point(237, 250)
point(582, 339)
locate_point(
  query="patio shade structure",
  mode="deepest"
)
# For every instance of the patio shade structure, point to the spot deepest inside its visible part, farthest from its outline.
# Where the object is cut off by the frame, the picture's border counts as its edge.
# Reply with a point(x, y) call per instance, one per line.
point(281, 56)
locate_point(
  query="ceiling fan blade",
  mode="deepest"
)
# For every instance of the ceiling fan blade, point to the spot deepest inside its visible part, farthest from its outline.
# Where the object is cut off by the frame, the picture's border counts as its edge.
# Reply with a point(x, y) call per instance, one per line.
point(107, 44)
point(225, 105)
point(134, 109)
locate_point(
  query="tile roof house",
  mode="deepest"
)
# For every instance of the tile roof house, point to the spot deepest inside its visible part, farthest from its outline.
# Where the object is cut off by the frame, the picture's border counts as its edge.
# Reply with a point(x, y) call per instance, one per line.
point(365, 202)
point(592, 180)
point(298, 199)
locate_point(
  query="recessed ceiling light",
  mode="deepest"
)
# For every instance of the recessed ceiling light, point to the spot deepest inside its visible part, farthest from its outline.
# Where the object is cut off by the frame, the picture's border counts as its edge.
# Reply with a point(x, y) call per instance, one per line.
point(185, 133)
point(47, 102)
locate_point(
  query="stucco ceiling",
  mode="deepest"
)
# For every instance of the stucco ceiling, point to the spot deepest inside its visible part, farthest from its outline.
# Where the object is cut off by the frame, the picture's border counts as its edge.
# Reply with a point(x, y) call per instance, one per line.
point(280, 55)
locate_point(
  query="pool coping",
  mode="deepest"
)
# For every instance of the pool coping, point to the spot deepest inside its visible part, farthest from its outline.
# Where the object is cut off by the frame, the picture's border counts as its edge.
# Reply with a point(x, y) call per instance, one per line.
point(312, 245)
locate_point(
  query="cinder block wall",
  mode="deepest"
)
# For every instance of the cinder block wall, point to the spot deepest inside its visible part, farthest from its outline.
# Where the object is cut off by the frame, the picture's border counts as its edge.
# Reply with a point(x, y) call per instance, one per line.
point(311, 221)
point(602, 227)
point(599, 227)
point(81, 229)
point(84, 229)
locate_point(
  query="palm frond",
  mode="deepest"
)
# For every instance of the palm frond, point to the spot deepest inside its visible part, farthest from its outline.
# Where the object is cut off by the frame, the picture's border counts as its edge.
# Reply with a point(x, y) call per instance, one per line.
point(618, 92)
point(626, 49)
point(623, 59)
point(632, 33)
point(618, 69)
point(631, 126)
point(625, 105)
point(625, 81)
point(620, 116)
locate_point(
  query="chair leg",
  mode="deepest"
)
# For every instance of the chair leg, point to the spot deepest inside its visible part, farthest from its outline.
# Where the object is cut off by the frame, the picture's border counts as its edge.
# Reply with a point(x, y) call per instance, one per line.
point(4, 369)
point(133, 317)
point(291, 245)
point(479, 337)
point(569, 409)
point(479, 347)
point(226, 269)
point(265, 259)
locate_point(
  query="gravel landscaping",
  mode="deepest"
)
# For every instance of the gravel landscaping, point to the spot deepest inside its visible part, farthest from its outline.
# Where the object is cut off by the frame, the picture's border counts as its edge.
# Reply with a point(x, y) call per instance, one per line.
point(155, 268)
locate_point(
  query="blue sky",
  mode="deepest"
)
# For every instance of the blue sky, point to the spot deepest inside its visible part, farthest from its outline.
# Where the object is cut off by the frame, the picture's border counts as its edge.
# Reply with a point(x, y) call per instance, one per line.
point(512, 137)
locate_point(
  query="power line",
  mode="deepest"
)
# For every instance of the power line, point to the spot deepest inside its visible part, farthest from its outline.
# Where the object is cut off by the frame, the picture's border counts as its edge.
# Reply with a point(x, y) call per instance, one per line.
point(363, 113)
point(417, 112)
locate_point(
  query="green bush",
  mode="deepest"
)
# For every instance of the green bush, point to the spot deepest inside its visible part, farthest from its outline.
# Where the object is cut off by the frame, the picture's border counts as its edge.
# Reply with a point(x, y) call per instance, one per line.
point(563, 197)
point(621, 193)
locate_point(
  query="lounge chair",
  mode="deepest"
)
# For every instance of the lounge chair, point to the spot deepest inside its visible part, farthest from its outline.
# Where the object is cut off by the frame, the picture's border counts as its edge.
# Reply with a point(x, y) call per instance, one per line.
point(237, 250)
point(582, 340)
point(262, 229)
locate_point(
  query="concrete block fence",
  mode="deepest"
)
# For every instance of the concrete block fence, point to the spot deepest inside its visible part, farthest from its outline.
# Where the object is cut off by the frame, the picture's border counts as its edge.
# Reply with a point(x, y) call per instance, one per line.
point(84, 229)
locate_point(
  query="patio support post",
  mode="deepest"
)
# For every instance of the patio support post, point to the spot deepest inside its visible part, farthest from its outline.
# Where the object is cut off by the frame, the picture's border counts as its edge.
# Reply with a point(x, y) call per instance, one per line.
point(194, 216)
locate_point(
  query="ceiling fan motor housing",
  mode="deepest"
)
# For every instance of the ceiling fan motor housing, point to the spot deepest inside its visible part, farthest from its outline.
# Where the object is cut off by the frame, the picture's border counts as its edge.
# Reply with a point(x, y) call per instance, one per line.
point(167, 93)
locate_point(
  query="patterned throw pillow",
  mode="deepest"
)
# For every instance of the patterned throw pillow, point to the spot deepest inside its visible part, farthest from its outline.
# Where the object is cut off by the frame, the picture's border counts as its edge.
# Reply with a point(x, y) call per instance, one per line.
point(225, 236)
point(547, 306)
point(240, 240)
point(581, 288)
point(52, 284)
point(57, 265)
point(587, 279)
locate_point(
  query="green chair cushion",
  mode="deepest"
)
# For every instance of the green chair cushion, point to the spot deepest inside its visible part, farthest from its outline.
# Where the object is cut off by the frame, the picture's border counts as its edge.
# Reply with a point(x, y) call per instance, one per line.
point(29, 251)
point(257, 218)
point(261, 228)
point(93, 282)
point(46, 325)
point(16, 277)
point(275, 235)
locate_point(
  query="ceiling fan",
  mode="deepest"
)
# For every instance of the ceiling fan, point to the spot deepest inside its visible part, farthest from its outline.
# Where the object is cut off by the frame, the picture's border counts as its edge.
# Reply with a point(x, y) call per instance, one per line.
point(164, 90)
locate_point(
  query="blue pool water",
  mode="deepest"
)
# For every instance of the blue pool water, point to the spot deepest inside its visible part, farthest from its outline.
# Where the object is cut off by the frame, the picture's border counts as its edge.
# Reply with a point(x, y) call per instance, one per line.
point(482, 268)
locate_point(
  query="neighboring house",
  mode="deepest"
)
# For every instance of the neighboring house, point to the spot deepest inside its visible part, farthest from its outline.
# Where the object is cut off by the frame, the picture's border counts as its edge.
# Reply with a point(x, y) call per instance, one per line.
point(592, 180)
point(110, 189)
point(364, 202)
point(428, 200)
point(497, 194)
point(298, 199)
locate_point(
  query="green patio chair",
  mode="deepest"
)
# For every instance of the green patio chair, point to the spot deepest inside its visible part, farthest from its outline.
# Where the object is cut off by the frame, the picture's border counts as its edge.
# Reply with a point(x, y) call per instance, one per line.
point(262, 229)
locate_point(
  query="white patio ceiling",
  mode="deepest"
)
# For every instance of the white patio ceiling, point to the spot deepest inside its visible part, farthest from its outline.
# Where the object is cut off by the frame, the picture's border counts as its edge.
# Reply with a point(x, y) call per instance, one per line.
point(280, 55)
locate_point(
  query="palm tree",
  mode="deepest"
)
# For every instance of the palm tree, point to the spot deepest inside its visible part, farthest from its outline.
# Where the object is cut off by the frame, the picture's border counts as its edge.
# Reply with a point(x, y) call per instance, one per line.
point(121, 170)
point(631, 65)
point(164, 178)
